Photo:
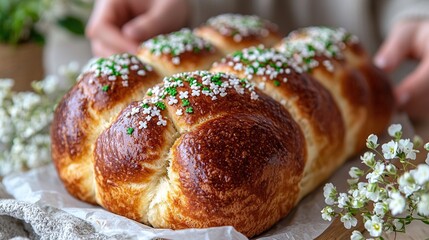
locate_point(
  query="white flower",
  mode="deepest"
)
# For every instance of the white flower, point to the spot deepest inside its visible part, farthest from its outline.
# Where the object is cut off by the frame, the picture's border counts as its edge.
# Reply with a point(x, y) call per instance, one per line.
point(342, 200)
point(355, 172)
point(330, 192)
point(356, 235)
point(398, 224)
point(380, 209)
point(391, 169)
point(327, 213)
point(427, 159)
point(421, 175)
point(423, 205)
point(407, 184)
point(375, 175)
point(368, 159)
point(373, 192)
point(397, 203)
point(393, 129)
point(371, 141)
point(349, 221)
point(389, 149)
point(374, 226)
point(406, 146)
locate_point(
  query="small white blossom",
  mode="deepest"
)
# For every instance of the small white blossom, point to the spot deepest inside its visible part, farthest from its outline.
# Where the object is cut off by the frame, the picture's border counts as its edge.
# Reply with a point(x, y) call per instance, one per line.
point(426, 146)
point(373, 192)
point(391, 169)
point(406, 146)
point(356, 235)
point(355, 172)
point(342, 200)
point(393, 129)
point(427, 159)
point(371, 141)
point(398, 224)
point(423, 205)
point(349, 221)
point(407, 184)
point(421, 175)
point(380, 209)
point(368, 159)
point(330, 192)
point(374, 226)
point(376, 174)
point(389, 149)
point(397, 203)
point(327, 213)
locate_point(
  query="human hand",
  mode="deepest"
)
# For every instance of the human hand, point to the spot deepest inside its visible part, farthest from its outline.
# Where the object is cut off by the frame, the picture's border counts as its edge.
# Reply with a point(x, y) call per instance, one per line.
point(121, 25)
point(409, 39)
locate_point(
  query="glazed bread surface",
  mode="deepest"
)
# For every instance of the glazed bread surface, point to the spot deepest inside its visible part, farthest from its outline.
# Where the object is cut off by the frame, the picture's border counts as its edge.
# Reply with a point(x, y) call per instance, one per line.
point(232, 32)
point(237, 145)
point(176, 52)
point(108, 85)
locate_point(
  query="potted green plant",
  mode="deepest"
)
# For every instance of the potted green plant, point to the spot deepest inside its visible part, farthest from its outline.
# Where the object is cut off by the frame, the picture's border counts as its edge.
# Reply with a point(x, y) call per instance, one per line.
point(21, 44)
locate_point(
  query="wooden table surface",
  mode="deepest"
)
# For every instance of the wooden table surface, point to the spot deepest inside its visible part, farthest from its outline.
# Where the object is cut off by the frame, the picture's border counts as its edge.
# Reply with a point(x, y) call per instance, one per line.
point(414, 231)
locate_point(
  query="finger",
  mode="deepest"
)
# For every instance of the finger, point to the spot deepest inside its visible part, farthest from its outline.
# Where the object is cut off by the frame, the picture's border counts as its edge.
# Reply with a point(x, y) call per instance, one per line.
point(415, 87)
point(100, 49)
point(395, 48)
point(161, 18)
point(115, 41)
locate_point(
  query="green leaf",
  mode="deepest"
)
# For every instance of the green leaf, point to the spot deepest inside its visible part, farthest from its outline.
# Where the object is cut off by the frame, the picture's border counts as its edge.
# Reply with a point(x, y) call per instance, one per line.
point(425, 221)
point(72, 24)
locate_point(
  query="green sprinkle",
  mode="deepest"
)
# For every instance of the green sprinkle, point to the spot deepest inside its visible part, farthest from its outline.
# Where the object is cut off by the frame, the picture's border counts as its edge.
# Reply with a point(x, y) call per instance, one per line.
point(185, 102)
point(130, 130)
point(171, 90)
point(189, 110)
point(276, 83)
point(206, 89)
point(105, 88)
point(190, 79)
point(160, 105)
point(149, 93)
point(145, 105)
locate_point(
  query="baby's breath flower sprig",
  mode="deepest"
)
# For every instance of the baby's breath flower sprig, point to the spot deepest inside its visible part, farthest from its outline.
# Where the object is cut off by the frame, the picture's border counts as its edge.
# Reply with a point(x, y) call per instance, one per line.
point(26, 117)
point(391, 197)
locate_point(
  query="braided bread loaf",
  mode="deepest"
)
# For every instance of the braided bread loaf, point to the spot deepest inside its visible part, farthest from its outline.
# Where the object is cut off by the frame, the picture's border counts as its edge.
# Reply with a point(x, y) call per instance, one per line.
point(238, 145)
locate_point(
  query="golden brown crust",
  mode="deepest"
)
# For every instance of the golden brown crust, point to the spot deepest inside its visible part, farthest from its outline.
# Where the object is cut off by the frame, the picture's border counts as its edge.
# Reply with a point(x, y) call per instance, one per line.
point(82, 114)
point(234, 148)
point(228, 45)
point(207, 149)
point(180, 51)
point(310, 104)
point(220, 184)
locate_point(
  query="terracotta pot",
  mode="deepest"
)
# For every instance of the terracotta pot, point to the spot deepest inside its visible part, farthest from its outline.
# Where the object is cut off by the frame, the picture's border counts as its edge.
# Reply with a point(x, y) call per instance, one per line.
point(23, 63)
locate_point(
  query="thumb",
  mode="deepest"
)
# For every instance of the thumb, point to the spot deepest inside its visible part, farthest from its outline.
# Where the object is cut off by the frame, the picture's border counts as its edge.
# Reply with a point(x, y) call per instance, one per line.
point(395, 48)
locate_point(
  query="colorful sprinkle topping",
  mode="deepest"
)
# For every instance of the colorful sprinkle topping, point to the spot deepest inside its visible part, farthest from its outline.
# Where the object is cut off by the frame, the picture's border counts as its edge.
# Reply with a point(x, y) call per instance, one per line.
point(177, 43)
point(305, 44)
point(200, 83)
point(240, 26)
point(258, 61)
point(118, 66)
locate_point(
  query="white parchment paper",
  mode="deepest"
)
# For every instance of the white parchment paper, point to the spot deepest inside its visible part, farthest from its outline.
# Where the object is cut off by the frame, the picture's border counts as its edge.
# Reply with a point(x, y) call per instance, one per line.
point(43, 186)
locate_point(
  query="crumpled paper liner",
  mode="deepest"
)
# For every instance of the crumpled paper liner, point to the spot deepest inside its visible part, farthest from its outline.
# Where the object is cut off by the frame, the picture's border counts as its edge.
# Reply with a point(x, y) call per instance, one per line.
point(43, 186)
